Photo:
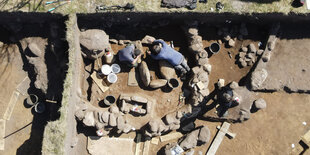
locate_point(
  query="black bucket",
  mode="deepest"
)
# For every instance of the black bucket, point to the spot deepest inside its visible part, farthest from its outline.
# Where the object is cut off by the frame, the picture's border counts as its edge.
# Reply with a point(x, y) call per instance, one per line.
point(39, 107)
point(214, 48)
point(32, 99)
point(173, 83)
point(108, 100)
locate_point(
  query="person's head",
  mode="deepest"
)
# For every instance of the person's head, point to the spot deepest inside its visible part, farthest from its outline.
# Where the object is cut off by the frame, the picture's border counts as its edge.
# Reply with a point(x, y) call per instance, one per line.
point(227, 96)
point(155, 48)
point(137, 52)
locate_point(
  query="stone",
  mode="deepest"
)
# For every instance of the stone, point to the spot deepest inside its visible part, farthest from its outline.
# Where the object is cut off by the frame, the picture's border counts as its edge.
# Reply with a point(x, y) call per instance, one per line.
point(260, 103)
point(196, 40)
point(174, 126)
point(195, 80)
point(145, 73)
point(196, 69)
point(114, 109)
point(193, 31)
point(252, 48)
point(89, 119)
point(190, 141)
point(139, 99)
point(266, 56)
point(242, 54)
point(196, 48)
point(154, 125)
point(99, 125)
point(258, 77)
point(221, 83)
point(112, 120)
point(244, 115)
point(36, 50)
point(203, 61)
point(233, 85)
point(219, 41)
point(226, 37)
point(121, 42)
point(120, 122)
point(148, 39)
point(127, 41)
point(204, 92)
point(207, 68)
point(271, 45)
point(243, 63)
point(171, 119)
point(203, 54)
point(105, 116)
point(204, 135)
point(243, 30)
point(169, 147)
point(79, 114)
point(167, 71)
point(200, 85)
point(250, 63)
point(259, 52)
point(94, 39)
point(158, 83)
point(99, 113)
point(1, 44)
point(251, 56)
point(203, 77)
point(113, 41)
point(125, 97)
point(231, 43)
point(191, 152)
point(127, 128)
point(244, 49)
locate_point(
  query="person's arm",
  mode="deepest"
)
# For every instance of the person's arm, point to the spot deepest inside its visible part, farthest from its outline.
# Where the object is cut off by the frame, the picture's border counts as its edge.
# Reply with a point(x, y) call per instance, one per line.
point(161, 41)
point(136, 59)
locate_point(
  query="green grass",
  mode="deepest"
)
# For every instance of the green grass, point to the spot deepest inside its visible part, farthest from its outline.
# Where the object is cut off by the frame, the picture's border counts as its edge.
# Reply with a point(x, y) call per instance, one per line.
point(55, 132)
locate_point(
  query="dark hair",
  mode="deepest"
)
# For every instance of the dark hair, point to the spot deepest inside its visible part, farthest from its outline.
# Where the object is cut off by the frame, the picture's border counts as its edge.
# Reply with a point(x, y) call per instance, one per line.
point(155, 49)
point(137, 52)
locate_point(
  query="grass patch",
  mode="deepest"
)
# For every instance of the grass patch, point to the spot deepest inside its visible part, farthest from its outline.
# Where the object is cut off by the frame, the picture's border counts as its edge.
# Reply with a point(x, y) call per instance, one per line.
point(55, 132)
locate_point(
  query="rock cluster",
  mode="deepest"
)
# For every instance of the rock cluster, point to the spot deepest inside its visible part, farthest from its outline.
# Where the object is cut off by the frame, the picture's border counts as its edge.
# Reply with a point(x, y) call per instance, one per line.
point(94, 43)
point(169, 122)
point(230, 35)
point(199, 136)
point(200, 80)
point(248, 55)
point(103, 120)
point(135, 104)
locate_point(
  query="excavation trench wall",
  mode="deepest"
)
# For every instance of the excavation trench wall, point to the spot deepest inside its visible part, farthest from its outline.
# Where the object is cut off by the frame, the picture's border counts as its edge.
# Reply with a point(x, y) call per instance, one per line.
point(59, 136)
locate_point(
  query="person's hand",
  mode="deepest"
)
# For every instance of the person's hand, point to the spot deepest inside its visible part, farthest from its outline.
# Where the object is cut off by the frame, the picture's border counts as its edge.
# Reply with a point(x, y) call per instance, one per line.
point(150, 40)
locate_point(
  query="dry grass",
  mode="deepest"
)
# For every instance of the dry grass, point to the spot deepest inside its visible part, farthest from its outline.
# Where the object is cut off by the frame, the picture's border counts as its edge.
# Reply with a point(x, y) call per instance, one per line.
point(88, 6)
point(55, 132)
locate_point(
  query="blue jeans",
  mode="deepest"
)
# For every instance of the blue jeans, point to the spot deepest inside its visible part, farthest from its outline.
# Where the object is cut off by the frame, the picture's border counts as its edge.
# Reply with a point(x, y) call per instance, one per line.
point(183, 67)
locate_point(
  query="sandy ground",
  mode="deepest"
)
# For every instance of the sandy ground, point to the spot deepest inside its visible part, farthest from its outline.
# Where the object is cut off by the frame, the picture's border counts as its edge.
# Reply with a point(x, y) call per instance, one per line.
point(18, 128)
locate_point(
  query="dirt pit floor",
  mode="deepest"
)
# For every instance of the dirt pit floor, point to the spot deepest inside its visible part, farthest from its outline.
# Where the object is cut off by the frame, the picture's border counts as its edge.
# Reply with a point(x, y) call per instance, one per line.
point(23, 128)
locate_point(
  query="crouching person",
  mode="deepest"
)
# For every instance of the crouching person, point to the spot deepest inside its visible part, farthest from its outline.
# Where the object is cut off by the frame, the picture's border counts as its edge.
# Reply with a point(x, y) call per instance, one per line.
point(129, 55)
point(160, 50)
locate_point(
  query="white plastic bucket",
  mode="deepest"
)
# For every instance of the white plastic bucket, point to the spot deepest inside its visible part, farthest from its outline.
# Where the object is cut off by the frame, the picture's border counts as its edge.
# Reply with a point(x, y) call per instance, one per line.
point(106, 69)
point(116, 68)
point(112, 78)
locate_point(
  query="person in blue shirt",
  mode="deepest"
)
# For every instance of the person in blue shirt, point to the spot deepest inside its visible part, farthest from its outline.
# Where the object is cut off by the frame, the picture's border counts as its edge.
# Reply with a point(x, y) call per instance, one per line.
point(160, 50)
point(129, 55)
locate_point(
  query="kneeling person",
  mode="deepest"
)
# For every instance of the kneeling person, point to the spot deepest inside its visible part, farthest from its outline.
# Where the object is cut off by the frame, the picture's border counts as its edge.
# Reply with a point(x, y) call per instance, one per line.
point(162, 51)
point(129, 55)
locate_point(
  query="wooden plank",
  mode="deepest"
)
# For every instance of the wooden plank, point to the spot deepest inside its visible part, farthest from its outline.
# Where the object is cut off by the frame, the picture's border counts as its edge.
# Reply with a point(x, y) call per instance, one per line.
point(146, 147)
point(218, 139)
point(170, 136)
point(155, 141)
point(11, 105)
point(2, 133)
point(99, 82)
point(138, 145)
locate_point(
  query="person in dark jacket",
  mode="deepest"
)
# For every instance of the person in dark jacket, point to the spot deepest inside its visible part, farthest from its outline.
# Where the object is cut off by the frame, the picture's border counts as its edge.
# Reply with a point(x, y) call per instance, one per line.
point(129, 55)
point(160, 50)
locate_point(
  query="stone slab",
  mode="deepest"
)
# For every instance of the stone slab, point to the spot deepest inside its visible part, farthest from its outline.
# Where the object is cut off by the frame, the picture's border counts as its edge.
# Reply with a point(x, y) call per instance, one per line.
point(155, 141)
point(109, 146)
point(2, 133)
point(11, 105)
point(218, 139)
point(171, 136)
point(146, 147)
point(99, 82)
point(132, 79)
